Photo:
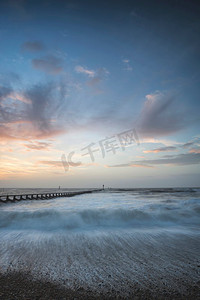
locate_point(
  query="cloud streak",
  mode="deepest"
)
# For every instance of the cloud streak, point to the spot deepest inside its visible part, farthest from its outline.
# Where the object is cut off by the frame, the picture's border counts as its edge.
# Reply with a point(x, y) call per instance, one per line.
point(34, 46)
point(178, 160)
point(159, 116)
point(38, 146)
point(48, 64)
point(127, 66)
point(84, 70)
point(52, 163)
point(195, 150)
point(132, 165)
point(31, 114)
point(98, 77)
point(163, 149)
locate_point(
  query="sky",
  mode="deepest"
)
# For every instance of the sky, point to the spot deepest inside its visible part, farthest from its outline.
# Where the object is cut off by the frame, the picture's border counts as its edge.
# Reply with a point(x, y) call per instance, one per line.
point(99, 92)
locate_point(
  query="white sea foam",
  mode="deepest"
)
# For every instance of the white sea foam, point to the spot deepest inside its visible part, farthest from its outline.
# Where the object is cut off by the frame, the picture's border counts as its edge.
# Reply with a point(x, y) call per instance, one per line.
point(104, 211)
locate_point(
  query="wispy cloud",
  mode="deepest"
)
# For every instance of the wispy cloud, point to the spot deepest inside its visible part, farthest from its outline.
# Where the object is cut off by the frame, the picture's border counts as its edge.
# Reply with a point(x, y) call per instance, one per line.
point(132, 165)
point(162, 149)
point(195, 150)
point(159, 116)
point(100, 74)
point(84, 70)
point(35, 115)
point(48, 64)
point(59, 164)
point(179, 160)
point(169, 146)
point(127, 65)
point(38, 146)
point(20, 97)
point(53, 163)
point(33, 46)
point(188, 145)
point(46, 104)
point(193, 143)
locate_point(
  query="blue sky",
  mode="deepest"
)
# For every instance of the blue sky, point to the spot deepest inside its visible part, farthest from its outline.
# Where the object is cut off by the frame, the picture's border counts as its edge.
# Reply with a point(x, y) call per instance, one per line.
point(78, 72)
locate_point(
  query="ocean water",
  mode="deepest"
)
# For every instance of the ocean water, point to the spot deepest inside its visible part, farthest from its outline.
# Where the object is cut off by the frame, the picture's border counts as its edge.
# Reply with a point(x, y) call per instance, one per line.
point(107, 240)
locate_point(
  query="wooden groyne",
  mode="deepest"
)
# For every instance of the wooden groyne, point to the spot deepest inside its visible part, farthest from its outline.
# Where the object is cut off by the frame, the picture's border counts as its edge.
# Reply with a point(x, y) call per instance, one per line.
point(41, 196)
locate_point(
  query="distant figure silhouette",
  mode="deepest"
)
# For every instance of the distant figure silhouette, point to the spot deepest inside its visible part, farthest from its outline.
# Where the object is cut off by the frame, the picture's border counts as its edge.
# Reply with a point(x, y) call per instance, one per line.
point(103, 186)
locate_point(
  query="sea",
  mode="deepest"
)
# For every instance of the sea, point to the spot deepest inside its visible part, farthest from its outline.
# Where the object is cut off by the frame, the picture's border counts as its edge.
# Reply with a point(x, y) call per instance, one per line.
point(107, 240)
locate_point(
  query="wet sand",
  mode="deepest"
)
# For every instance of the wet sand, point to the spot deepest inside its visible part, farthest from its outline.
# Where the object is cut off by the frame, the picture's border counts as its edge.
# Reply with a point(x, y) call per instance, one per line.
point(24, 287)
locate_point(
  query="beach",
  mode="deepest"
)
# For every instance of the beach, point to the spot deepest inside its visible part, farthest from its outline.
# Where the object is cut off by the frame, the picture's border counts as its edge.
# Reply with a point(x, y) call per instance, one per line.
point(118, 244)
point(21, 286)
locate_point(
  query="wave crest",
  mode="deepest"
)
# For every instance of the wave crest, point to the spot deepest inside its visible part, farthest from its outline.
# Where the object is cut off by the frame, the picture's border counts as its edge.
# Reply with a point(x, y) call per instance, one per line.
point(87, 219)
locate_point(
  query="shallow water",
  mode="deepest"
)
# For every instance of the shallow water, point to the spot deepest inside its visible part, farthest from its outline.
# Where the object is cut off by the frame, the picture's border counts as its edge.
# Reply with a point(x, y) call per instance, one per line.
point(105, 240)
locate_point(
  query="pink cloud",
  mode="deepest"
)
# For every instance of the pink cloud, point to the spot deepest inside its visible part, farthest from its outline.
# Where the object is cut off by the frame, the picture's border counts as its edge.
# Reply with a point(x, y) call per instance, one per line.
point(163, 149)
point(137, 165)
point(25, 131)
point(20, 97)
point(38, 146)
point(195, 150)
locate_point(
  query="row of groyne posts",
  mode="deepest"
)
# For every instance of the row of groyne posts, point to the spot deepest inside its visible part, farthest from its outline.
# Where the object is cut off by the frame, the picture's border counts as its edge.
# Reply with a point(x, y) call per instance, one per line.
point(42, 196)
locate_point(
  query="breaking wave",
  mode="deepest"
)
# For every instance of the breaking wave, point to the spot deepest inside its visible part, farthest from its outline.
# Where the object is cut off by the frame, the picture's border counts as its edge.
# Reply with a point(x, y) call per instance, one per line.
point(166, 214)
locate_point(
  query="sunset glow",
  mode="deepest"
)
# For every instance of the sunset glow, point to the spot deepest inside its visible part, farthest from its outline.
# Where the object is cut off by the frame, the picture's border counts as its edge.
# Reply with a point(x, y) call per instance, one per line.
point(76, 74)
